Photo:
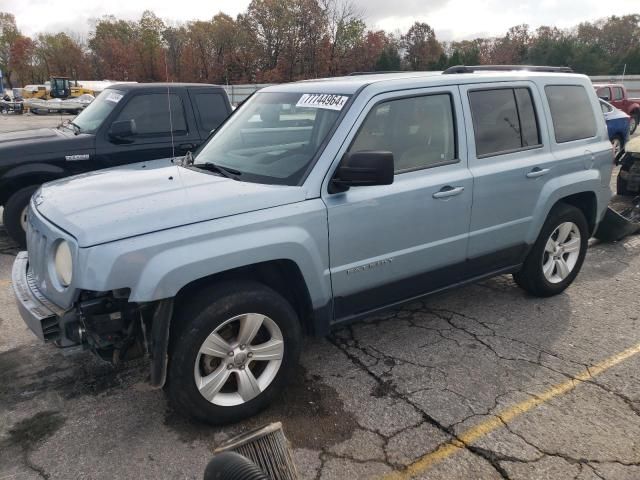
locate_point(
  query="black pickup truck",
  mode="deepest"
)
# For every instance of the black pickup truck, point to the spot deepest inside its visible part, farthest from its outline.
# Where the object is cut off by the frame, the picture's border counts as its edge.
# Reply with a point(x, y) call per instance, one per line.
point(126, 123)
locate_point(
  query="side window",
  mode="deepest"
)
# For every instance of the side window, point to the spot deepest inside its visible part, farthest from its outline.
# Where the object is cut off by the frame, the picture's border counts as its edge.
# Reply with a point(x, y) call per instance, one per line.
point(212, 110)
point(605, 108)
point(617, 93)
point(151, 114)
point(604, 93)
point(504, 120)
point(571, 112)
point(419, 131)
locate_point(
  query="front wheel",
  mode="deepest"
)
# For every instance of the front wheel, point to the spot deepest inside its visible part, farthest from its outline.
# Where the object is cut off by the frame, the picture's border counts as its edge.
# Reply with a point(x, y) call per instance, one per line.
point(14, 216)
point(235, 347)
point(557, 256)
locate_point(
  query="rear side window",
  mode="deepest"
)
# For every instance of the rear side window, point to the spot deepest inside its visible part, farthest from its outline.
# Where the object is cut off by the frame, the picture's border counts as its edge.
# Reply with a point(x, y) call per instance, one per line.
point(571, 112)
point(504, 120)
point(212, 110)
point(151, 114)
point(617, 93)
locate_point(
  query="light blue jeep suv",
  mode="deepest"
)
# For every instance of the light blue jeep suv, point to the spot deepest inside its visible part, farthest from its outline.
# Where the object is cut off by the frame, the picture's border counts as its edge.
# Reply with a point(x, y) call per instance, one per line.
point(314, 204)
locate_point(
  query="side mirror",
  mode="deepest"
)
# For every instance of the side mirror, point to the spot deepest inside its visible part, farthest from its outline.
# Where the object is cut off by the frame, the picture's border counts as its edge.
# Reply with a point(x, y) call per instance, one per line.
point(366, 168)
point(122, 129)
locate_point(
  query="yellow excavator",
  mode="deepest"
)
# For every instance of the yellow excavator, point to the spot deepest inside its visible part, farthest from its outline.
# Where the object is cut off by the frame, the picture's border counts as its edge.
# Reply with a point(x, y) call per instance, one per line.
point(59, 87)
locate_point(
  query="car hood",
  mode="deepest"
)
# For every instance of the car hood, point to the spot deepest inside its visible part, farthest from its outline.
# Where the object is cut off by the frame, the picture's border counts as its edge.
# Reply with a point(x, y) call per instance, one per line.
point(108, 205)
point(42, 141)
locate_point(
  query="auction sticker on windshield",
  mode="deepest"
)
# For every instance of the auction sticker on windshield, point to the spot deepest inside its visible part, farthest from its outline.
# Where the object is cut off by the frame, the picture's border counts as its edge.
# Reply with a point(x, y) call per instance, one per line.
point(322, 100)
point(114, 97)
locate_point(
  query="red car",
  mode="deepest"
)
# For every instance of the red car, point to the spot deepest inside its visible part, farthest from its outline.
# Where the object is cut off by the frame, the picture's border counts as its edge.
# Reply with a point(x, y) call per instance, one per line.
point(616, 94)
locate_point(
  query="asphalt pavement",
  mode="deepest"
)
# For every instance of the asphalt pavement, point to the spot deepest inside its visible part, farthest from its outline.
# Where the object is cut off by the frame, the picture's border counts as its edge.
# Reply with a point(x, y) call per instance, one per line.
point(483, 382)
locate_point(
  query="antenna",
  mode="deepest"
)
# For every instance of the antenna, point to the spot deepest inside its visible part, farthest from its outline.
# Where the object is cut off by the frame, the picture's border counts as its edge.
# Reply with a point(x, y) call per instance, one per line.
point(166, 71)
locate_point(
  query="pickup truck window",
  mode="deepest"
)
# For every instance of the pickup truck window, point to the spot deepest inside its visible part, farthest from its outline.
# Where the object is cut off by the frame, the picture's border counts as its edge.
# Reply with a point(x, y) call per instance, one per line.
point(419, 131)
point(571, 112)
point(274, 136)
point(604, 93)
point(618, 94)
point(94, 115)
point(211, 110)
point(504, 120)
point(151, 113)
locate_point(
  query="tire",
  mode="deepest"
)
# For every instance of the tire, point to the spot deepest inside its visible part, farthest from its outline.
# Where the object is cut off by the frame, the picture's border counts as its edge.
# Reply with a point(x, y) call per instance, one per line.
point(14, 210)
point(532, 277)
point(634, 125)
point(223, 309)
point(621, 186)
point(617, 143)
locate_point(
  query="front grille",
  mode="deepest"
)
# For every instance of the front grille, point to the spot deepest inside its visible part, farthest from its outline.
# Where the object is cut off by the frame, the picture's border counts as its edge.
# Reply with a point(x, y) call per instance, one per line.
point(37, 246)
point(41, 237)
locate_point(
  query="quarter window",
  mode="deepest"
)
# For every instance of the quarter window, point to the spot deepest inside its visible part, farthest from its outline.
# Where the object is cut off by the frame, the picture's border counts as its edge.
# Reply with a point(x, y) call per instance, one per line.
point(504, 120)
point(571, 112)
point(212, 110)
point(151, 114)
point(419, 131)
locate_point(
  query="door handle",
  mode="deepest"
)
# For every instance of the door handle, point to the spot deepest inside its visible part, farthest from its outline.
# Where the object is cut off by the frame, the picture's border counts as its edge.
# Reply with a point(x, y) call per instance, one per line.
point(538, 172)
point(186, 146)
point(448, 191)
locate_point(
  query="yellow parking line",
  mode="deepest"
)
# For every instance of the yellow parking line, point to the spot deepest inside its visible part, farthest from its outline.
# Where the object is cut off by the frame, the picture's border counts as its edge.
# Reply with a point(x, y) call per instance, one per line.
point(505, 416)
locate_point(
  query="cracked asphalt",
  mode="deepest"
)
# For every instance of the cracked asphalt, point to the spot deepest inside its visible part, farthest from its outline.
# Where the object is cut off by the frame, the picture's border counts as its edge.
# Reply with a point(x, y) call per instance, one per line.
point(473, 373)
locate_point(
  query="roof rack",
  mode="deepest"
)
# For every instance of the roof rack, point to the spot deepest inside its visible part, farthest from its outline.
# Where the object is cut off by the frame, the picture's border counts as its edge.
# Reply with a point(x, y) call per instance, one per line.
point(380, 72)
point(505, 68)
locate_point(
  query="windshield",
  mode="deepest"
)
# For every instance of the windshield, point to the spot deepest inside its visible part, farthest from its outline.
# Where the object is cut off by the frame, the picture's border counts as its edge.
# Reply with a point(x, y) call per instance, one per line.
point(92, 117)
point(273, 137)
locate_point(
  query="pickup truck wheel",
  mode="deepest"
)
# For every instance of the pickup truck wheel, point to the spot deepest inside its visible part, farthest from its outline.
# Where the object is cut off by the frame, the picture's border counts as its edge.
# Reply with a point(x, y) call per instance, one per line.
point(617, 146)
point(633, 122)
point(236, 346)
point(557, 256)
point(14, 216)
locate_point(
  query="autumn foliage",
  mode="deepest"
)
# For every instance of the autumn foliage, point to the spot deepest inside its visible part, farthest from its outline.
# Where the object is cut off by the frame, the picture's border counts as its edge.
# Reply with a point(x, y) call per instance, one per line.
point(285, 40)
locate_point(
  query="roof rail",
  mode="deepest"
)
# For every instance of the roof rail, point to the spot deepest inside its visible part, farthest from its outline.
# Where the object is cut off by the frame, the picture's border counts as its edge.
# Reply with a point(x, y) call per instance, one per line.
point(380, 72)
point(505, 68)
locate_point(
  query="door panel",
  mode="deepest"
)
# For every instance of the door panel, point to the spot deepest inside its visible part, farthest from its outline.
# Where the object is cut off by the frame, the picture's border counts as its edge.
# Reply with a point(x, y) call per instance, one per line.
point(507, 184)
point(387, 242)
point(155, 122)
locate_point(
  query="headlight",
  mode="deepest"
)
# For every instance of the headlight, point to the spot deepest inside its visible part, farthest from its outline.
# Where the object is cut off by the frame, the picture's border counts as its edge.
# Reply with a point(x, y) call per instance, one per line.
point(63, 263)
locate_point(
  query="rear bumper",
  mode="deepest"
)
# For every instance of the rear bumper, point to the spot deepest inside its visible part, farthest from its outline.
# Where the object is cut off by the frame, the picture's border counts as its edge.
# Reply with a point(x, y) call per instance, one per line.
point(40, 315)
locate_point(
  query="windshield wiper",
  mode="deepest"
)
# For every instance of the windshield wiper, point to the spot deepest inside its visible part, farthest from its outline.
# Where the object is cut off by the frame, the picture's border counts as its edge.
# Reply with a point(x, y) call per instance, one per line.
point(74, 126)
point(225, 171)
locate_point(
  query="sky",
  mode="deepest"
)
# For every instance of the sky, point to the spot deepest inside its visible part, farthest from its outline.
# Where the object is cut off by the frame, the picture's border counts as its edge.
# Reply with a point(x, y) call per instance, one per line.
point(451, 19)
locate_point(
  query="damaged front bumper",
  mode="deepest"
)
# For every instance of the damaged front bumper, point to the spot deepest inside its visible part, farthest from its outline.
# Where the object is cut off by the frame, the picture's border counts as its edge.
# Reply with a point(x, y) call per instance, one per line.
point(109, 325)
point(40, 315)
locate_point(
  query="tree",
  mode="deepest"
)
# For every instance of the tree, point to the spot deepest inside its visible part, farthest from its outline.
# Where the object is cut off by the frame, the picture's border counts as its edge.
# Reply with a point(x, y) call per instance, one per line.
point(21, 60)
point(8, 35)
point(150, 47)
point(422, 48)
point(113, 44)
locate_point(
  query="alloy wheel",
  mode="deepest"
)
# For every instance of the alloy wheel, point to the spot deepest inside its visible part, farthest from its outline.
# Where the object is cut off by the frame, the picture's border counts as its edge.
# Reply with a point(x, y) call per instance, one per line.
point(239, 359)
point(561, 252)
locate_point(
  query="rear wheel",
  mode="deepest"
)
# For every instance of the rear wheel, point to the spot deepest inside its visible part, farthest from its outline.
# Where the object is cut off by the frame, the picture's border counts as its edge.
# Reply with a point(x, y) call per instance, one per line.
point(557, 255)
point(633, 124)
point(14, 216)
point(235, 347)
